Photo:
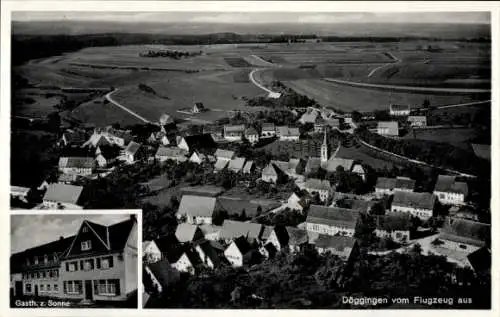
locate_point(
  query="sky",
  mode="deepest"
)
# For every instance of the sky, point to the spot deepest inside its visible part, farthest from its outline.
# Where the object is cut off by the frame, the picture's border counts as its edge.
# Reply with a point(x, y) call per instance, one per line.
point(28, 231)
point(257, 17)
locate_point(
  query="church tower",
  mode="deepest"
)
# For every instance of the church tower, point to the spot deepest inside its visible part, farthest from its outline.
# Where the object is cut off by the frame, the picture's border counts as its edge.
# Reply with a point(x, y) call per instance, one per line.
point(324, 149)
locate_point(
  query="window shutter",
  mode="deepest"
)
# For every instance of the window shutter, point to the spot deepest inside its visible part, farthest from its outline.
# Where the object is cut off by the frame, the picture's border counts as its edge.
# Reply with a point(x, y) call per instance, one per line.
point(117, 285)
point(96, 287)
point(111, 261)
point(66, 286)
point(81, 265)
point(98, 263)
point(67, 267)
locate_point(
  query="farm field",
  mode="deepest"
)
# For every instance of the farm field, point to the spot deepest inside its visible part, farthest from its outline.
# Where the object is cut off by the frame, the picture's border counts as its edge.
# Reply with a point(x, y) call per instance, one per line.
point(357, 153)
point(456, 137)
point(39, 108)
point(348, 98)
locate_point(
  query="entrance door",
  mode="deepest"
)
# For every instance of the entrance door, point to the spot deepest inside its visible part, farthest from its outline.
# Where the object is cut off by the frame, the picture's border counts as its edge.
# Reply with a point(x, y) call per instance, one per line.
point(18, 289)
point(88, 290)
point(36, 290)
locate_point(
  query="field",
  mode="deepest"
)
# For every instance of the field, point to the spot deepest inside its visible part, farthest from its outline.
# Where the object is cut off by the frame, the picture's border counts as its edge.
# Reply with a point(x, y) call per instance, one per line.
point(456, 137)
point(219, 76)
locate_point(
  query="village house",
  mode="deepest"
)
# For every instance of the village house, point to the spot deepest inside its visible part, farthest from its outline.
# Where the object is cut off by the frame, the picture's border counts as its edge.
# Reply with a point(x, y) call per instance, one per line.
point(162, 275)
point(405, 184)
point(420, 205)
point(170, 153)
point(249, 167)
point(220, 165)
point(285, 133)
point(464, 235)
point(76, 166)
point(395, 226)
point(198, 107)
point(187, 262)
point(234, 133)
point(389, 128)
point(417, 121)
point(297, 239)
point(344, 247)
point(196, 209)
point(166, 119)
point(18, 192)
point(358, 169)
point(270, 173)
point(114, 136)
point(236, 164)
point(322, 187)
point(150, 252)
point(72, 138)
point(238, 252)
point(105, 158)
point(449, 191)
point(224, 155)
point(99, 263)
point(399, 110)
point(197, 158)
point(62, 196)
point(295, 202)
point(268, 130)
point(336, 162)
point(385, 186)
point(132, 152)
point(232, 229)
point(216, 132)
point(200, 142)
point(210, 232)
point(252, 135)
point(332, 220)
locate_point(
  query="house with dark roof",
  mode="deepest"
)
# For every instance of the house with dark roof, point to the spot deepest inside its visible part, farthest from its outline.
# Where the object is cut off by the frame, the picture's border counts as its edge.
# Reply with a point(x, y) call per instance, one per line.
point(99, 263)
point(404, 184)
point(236, 164)
point(270, 173)
point(449, 191)
point(252, 135)
point(186, 232)
point(464, 235)
point(417, 121)
point(170, 153)
point(399, 110)
point(278, 237)
point(62, 196)
point(297, 239)
point(203, 143)
point(232, 229)
point(209, 255)
point(162, 275)
point(384, 186)
point(395, 226)
point(420, 205)
point(197, 209)
point(216, 132)
point(389, 128)
point(332, 220)
point(335, 162)
point(268, 130)
point(76, 166)
point(344, 247)
point(73, 138)
point(132, 152)
point(286, 133)
point(240, 252)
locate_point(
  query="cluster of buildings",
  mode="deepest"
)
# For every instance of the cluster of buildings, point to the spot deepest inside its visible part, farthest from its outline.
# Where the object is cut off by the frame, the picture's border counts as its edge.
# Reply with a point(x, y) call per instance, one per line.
point(391, 128)
point(98, 263)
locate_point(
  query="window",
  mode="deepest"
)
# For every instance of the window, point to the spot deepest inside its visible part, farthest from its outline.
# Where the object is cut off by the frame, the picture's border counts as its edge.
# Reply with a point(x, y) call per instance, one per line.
point(44, 274)
point(49, 288)
point(28, 262)
point(45, 259)
point(56, 288)
point(85, 229)
point(398, 235)
point(73, 287)
point(108, 287)
point(41, 287)
point(71, 266)
point(105, 263)
point(86, 245)
point(37, 274)
point(463, 246)
point(36, 260)
point(28, 288)
point(88, 265)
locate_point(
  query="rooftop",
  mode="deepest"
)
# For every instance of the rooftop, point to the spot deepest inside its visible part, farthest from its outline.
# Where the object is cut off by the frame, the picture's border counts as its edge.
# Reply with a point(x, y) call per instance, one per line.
point(76, 162)
point(63, 193)
point(448, 184)
point(232, 229)
point(394, 221)
point(334, 162)
point(466, 231)
point(198, 206)
point(415, 200)
point(332, 216)
point(314, 183)
point(339, 243)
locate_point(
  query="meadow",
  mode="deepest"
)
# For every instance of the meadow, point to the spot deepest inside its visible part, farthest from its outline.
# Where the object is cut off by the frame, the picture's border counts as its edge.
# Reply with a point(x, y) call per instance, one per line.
point(456, 137)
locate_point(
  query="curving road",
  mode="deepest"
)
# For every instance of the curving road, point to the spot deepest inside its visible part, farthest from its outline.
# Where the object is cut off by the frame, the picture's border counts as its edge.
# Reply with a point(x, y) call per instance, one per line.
point(407, 88)
point(111, 100)
point(272, 94)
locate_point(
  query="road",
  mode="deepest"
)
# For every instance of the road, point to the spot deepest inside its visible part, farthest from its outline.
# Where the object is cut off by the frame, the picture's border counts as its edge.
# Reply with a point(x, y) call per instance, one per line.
point(272, 94)
point(111, 100)
point(407, 88)
point(263, 61)
point(396, 61)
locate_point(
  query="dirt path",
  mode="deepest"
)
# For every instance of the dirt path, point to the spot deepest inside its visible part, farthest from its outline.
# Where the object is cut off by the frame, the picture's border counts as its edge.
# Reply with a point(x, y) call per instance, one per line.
point(272, 94)
point(110, 99)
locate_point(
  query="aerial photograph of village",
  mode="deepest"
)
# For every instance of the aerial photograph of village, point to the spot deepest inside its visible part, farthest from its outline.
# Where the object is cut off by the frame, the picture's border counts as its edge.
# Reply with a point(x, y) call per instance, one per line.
point(280, 160)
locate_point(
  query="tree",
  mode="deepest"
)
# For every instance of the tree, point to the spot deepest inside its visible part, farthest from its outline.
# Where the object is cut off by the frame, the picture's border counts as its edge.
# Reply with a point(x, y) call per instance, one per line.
point(426, 103)
point(356, 116)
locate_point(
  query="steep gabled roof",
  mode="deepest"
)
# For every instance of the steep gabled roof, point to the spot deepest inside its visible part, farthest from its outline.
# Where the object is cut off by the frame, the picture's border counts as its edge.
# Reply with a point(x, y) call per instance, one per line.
point(394, 221)
point(392, 126)
point(132, 148)
point(248, 167)
point(59, 247)
point(400, 107)
point(251, 131)
point(200, 142)
point(414, 200)
point(317, 184)
point(161, 271)
point(269, 170)
point(63, 193)
point(234, 128)
point(448, 184)
point(220, 164)
point(76, 162)
point(221, 153)
point(232, 229)
point(332, 216)
point(185, 232)
point(296, 236)
point(236, 164)
point(242, 245)
point(268, 127)
point(386, 183)
point(170, 152)
point(466, 231)
point(334, 162)
point(197, 206)
point(119, 233)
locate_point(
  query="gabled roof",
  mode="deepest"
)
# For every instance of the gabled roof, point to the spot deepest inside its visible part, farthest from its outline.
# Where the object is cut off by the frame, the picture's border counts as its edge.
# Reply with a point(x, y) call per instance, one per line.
point(358, 204)
point(339, 243)
point(414, 200)
point(268, 127)
point(236, 164)
point(213, 130)
point(170, 152)
point(332, 216)
point(466, 231)
point(448, 184)
point(204, 190)
point(198, 206)
point(386, 183)
point(282, 165)
point(313, 163)
point(287, 131)
point(161, 271)
point(234, 128)
point(76, 162)
point(209, 251)
point(248, 167)
point(132, 148)
point(242, 244)
point(399, 107)
point(75, 137)
point(296, 236)
point(391, 125)
point(269, 170)
point(334, 162)
point(394, 221)
point(232, 229)
point(358, 168)
point(317, 184)
point(208, 229)
point(266, 232)
point(59, 246)
point(220, 164)
point(221, 153)
point(404, 183)
point(251, 131)
point(309, 116)
point(63, 193)
point(200, 142)
point(235, 205)
point(185, 232)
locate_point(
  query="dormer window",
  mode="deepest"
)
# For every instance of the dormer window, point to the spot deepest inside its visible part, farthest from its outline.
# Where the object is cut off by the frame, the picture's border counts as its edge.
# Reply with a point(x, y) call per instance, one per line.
point(86, 245)
point(45, 259)
point(85, 229)
point(36, 260)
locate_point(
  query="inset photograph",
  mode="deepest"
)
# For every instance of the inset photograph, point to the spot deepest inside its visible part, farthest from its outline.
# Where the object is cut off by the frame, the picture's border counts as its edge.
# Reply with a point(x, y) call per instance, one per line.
point(74, 261)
